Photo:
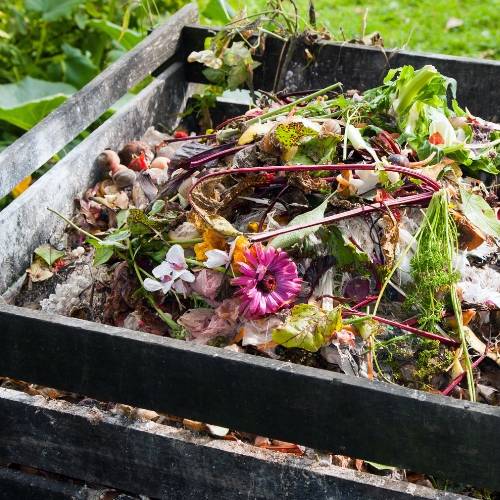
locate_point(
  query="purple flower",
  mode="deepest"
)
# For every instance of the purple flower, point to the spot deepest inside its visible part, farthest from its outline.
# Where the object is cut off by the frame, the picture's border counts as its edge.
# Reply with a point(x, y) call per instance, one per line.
point(269, 281)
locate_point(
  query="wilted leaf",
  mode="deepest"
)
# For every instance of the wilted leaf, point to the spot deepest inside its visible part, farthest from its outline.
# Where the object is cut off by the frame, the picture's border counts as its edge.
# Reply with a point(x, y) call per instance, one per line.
point(38, 271)
point(477, 210)
point(307, 327)
point(289, 239)
point(48, 254)
point(25, 103)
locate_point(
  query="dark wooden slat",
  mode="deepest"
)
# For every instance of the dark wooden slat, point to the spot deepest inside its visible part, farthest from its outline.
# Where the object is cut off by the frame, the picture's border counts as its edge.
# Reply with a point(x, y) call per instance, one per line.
point(371, 420)
point(165, 462)
point(361, 67)
point(21, 486)
point(49, 136)
point(26, 222)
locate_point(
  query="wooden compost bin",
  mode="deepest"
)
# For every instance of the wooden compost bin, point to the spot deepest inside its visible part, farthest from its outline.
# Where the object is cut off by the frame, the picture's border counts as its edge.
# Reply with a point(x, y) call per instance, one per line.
point(427, 433)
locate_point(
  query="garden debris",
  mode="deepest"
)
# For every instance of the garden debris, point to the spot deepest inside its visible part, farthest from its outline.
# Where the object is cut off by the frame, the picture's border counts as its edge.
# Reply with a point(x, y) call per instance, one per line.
point(355, 232)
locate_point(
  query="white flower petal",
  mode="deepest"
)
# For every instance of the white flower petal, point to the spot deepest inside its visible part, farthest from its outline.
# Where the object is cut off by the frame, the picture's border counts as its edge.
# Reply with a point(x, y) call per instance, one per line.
point(162, 270)
point(180, 287)
point(187, 276)
point(216, 258)
point(152, 285)
point(175, 256)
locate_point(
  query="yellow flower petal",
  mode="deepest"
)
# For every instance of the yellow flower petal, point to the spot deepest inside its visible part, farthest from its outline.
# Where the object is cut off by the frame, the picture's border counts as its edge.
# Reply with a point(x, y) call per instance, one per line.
point(22, 186)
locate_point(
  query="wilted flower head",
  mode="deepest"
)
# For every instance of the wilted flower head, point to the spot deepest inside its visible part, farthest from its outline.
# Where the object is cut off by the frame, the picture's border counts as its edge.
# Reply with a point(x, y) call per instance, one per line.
point(269, 281)
point(171, 273)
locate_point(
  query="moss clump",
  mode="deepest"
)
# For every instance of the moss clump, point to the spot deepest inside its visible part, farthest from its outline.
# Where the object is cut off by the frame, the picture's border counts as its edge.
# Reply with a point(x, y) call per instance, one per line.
point(432, 359)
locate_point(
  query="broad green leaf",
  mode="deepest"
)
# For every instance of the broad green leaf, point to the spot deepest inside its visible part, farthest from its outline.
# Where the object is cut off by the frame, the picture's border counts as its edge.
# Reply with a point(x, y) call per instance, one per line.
point(308, 327)
point(52, 10)
point(48, 253)
point(289, 239)
point(128, 38)
point(301, 329)
point(102, 254)
point(219, 10)
point(78, 67)
point(477, 210)
point(27, 102)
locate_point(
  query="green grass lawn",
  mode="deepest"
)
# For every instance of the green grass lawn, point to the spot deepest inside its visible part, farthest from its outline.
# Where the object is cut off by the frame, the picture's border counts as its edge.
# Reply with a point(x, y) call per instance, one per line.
point(417, 25)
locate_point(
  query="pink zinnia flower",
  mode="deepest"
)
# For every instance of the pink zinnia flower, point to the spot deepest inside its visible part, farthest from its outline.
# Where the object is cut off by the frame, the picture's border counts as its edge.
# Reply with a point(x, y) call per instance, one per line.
point(269, 281)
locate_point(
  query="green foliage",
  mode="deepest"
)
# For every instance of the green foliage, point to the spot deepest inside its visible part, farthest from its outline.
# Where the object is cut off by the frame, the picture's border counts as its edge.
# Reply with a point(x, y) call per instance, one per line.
point(346, 253)
point(308, 327)
point(477, 210)
point(48, 253)
point(432, 269)
point(25, 103)
point(289, 239)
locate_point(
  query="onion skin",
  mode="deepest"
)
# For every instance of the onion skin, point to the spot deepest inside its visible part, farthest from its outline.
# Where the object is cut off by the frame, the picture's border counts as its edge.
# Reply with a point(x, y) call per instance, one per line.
point(108, 160)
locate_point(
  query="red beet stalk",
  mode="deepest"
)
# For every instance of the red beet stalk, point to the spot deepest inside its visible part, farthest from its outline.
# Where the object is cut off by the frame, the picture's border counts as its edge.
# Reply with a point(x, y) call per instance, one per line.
point(407, 200)
point(215, 156)
point(411, 329)
point(460, 377)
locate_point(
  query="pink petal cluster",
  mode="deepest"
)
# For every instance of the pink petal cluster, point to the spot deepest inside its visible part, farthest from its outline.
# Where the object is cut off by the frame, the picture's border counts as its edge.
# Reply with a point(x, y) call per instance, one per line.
point(268, 283)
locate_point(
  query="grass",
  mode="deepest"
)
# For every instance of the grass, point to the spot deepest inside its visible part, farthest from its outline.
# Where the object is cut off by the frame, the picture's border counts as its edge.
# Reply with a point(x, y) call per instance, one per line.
point(417, 24)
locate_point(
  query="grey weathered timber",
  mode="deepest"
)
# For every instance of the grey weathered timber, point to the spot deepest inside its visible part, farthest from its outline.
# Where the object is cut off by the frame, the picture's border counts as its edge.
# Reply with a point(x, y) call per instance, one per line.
point(166, 462)
point(49, 136)
point(17, 485)
point(388, 424)
point(360, 67)
point(26, 222)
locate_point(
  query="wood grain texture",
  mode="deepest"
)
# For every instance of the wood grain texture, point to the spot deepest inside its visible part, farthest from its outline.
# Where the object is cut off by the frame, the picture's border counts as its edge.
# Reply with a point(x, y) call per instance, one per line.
point(166, 462)
point(49, 136)
point(18, 485)
point(375, 421)
point(26, 222)
point(360, 67)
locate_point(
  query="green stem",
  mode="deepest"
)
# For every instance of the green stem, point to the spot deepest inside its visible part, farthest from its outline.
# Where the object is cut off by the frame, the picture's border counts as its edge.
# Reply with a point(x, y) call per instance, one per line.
point(288, 107)
point(72, 224)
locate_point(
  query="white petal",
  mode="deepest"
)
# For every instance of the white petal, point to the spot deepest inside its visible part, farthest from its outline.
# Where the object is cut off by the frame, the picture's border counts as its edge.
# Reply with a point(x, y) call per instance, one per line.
point(216, 258)
point(175, 256)
point(166, 286)
point(152, 285)
point(180, 287)
point(162, 270)
point(187, 276)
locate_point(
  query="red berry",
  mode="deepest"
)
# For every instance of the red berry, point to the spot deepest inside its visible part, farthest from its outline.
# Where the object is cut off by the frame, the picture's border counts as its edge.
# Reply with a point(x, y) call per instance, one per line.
point(180, 134)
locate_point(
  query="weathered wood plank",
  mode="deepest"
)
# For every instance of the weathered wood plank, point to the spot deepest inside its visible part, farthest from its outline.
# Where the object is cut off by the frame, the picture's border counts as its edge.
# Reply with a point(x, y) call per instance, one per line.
point(26, 222)
point(49, 136)
point(371, 420)
point(17, 485)
point(166, 462)
point(361, 67)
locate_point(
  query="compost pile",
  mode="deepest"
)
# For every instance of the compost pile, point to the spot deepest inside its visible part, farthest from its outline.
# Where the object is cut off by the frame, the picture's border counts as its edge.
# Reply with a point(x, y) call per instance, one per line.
point(356, 232)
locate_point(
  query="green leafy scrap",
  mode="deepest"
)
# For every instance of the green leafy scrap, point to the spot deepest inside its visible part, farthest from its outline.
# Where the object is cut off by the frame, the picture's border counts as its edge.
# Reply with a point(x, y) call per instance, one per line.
point(289, 239)
point(308, 327)
point(347, 255)
point(49, 254)
point(477, 210)
point(290, 134)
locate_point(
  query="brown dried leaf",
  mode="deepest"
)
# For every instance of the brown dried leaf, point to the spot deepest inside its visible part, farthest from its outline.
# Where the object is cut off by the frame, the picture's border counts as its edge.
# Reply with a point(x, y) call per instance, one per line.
point(38, 271)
